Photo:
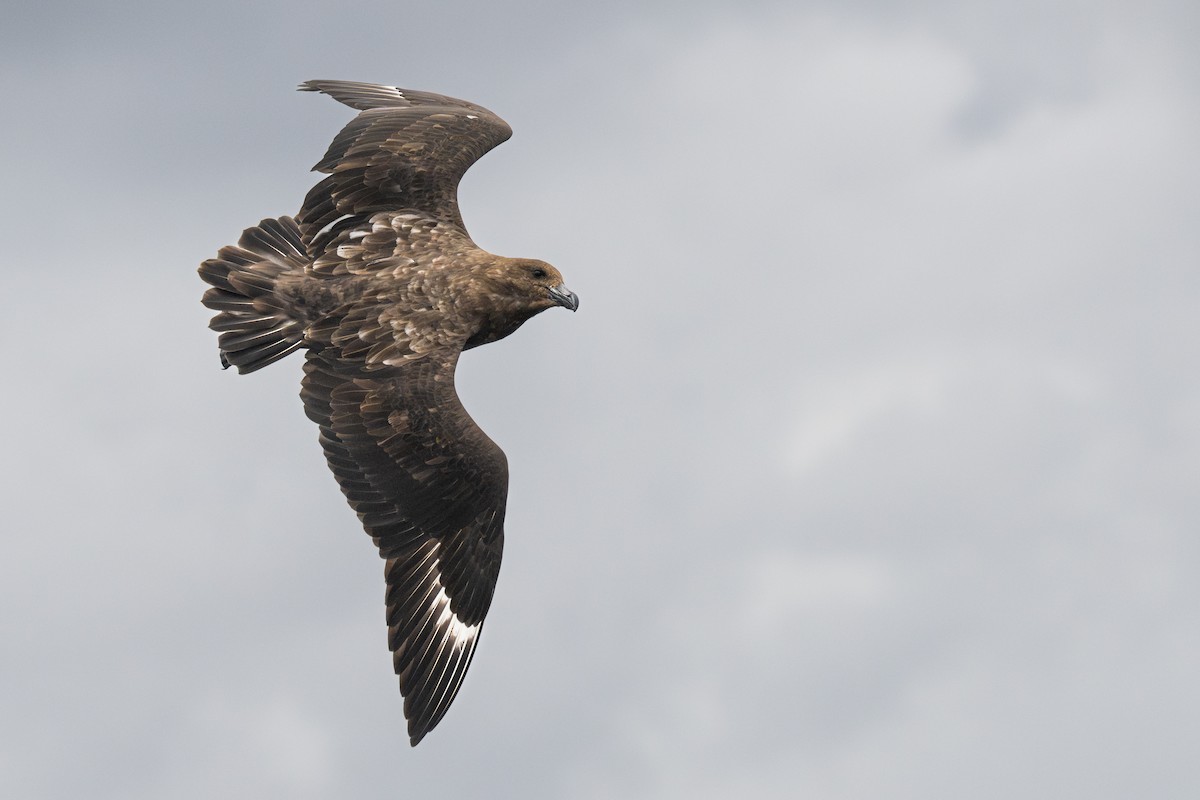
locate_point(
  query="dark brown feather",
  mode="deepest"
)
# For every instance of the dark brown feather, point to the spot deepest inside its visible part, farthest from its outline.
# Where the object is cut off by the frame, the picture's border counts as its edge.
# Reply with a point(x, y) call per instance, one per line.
point(430, 488)
point(405, 150)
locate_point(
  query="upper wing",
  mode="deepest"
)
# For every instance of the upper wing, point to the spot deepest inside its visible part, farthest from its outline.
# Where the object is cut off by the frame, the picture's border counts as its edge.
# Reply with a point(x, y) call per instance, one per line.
point(430, 488)
point(405, 150)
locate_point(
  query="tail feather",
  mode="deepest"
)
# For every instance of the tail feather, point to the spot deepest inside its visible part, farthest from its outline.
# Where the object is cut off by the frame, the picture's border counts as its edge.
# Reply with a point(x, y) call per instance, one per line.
point(255, 327)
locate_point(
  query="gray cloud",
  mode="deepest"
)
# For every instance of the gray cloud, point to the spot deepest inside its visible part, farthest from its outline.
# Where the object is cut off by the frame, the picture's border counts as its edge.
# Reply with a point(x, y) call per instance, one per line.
point(863, 471)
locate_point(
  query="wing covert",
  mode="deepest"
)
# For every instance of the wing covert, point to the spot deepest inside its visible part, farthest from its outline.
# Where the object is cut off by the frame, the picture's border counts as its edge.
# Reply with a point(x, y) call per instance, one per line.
point(404, 150)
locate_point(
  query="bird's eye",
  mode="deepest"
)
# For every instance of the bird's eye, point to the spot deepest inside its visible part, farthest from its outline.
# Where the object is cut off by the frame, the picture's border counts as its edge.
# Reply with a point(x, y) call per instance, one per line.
point(538, 273)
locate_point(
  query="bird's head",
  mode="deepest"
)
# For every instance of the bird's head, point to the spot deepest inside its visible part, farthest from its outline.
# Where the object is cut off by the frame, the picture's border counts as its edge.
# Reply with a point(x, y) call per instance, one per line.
point(531, 286)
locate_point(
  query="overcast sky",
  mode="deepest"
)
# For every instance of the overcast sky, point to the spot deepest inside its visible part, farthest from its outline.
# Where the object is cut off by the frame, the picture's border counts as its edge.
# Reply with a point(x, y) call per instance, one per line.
point(867, 469)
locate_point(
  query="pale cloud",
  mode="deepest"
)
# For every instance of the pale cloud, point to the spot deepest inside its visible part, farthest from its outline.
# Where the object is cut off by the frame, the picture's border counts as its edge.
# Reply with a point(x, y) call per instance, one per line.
point(863, 471)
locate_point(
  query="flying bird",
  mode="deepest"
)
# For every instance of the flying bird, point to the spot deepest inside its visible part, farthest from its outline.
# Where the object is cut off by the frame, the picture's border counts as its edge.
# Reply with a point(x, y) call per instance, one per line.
point(378, 281)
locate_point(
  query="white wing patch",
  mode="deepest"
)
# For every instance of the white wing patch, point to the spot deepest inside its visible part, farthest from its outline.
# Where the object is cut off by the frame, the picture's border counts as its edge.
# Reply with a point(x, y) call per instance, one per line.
point(458, 632)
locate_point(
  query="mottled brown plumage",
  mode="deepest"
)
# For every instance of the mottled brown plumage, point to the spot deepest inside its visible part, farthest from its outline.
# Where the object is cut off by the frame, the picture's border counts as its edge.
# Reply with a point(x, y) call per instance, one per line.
point(379, 281)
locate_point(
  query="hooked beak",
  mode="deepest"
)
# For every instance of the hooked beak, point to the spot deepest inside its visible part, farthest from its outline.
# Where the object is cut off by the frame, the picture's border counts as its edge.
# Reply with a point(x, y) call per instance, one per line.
point(564, 297)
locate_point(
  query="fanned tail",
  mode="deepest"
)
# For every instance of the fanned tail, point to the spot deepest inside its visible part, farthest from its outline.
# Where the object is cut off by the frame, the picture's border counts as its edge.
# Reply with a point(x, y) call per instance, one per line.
point(255, 327)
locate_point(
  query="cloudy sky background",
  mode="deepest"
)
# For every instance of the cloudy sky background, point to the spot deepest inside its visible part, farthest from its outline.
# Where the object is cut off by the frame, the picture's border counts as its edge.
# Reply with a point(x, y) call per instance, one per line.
point(867, 468)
